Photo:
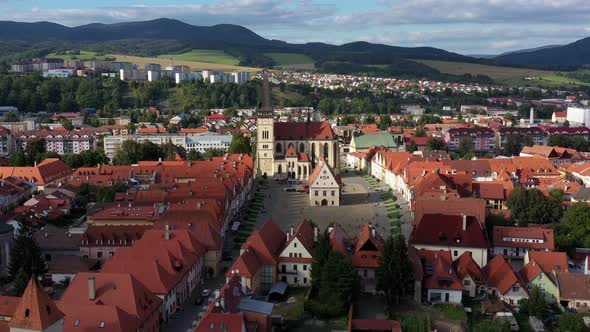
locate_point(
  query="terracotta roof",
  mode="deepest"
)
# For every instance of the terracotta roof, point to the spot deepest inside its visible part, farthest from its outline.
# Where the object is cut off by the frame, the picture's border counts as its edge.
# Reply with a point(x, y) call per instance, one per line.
point(305, 234)
point(549, 261)
point(113, 289)
point(90, 317)
point(490, 190)
point(246, 265)
point(8, 305)
point(316, 172)
point(339, 241)
point(35, 310)
point(530, 272)
point(301, 130)
point(465, 265)
point(439, 270)
point(573, 286)
point(47, 171)
point(113, 235)
point(416, 263)
point(499, 274)
point(474, 207)
point(542, 237)
point(266, 242)
point(367, 247)
point(222, 322)
point(447, 231)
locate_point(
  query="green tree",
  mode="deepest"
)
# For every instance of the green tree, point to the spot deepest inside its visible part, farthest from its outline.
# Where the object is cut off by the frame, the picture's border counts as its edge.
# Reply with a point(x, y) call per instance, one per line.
point(411, 147)
point(420, 132)
point(211, 152)
point(528, 206)
point(18, 159)
point(194, 155)
point(511, 147)
point(571, 322)
point(385, 122)
point(26, 260)
point(535, 305)
point(435, 144)
point(574, 230)
point(67, 124)
point(240, 144)
point(395, 274)
point(34, 149)
point(10, 117)
point(465, 146)
point(129, 153)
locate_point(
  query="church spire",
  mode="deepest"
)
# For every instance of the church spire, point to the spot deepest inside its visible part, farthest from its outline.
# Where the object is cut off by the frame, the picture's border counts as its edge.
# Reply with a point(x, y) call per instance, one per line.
point(267, 110)
point(35, 311)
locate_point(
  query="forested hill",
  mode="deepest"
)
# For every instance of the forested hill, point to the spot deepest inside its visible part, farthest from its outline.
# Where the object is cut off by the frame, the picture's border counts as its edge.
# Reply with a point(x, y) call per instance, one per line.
point(161, 36)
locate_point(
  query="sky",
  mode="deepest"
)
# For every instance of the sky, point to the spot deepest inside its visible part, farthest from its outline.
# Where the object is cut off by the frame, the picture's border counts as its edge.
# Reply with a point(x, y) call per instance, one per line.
point(462, 26)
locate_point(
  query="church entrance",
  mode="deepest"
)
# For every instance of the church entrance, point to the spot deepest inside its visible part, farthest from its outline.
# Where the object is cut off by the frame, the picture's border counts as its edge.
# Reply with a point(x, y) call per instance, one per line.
point(324, 202)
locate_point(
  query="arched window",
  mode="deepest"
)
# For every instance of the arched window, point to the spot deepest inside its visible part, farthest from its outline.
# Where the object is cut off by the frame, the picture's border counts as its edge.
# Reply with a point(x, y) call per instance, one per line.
point(280, 169)
point(326, 151)
point(279, 148)
point(313, 152)
point(301, 147)
point(298, 171)
point(335, 153)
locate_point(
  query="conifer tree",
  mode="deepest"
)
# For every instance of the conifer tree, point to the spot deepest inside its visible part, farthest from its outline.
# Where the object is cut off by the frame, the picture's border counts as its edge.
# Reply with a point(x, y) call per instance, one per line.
point(26, 259)
point(395, 274)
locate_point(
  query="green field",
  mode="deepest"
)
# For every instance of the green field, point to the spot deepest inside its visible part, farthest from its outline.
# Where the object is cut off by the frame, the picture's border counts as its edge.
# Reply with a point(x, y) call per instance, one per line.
point(83, 55)
point(211, 56)
point(507, 75)
point(287, 59)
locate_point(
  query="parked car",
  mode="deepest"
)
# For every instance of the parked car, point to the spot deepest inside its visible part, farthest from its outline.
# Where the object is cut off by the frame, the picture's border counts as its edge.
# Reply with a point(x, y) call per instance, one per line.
point(205, 293)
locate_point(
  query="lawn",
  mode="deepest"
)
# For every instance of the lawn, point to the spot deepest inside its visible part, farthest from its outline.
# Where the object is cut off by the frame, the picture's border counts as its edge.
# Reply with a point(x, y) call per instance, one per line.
point(451, 312)
point(212, 56)
point(286, 59)
point(84, 55)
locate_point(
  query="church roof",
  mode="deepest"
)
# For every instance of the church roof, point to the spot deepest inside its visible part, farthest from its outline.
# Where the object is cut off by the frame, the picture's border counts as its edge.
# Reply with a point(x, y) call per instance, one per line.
point(303, 130)
point(35, 311)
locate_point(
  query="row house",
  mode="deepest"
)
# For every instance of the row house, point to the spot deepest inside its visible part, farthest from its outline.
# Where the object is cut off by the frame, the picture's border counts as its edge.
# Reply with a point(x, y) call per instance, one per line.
point(573, 290)
point(7, 143)
point(440, 282)
point(457, 234)
point(49, 171)
point(581, 132)
point(115, 303)
point(368, 245)
point(502, 282)
point(516, 242)
point(101, 242)
point(540, 270)
point(14, 190)
point(295, 258)
point(60, 142)
point(534, 135)
point(578, 172)
point(169, 263)
point(482, 138)
point(257, 265)
point(556, 155)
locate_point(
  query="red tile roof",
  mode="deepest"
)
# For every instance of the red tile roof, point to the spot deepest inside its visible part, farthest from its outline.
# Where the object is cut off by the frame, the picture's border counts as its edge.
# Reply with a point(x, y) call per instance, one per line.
point(266, 242)
point(543, 236)
point(222, 322)
point(530, 272)
point(305, 234)
point(465, 265)
point(499, 274)
point(246, 265)
point(113, 289)
point(367, 247)
point(8, 305)
point(439, 271)
point(549, 261)
point(301, 130)
point(447, 231)
point(90, 317)
point(339, 241)
point(35, 310)
point(116, 235)
point(49, 170)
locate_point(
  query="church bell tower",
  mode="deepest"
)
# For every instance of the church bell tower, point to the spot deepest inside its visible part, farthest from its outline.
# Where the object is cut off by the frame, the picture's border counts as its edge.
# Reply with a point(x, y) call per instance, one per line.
point(265, 132)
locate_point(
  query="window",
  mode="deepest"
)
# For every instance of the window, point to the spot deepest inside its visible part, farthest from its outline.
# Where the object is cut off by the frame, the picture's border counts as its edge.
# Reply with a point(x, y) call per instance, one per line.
point(324, 193)
point(315, 192)
point(294, 244)
point(333, 192)
point(295, 267)
point(99, 254)
point(365, 273)
point(466, 282)
point(305, 280)
point(290, 254)
point(77, 322)
point(300, 255)
point(455, 253)
point(435, 297)
point(515, 288)
point(101, 325)
point(304, 267)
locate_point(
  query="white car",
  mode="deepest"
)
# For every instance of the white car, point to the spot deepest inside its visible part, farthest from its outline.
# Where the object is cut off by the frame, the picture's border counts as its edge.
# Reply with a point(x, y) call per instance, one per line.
point(205, 293)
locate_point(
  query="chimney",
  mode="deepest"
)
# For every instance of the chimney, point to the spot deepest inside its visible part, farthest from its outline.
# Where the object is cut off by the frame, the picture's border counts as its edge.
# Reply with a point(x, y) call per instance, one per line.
point(160, 159)
point(91, 288)
point(464, 222)
point(291, 231)
point(532, 119)
point(167, 234)
point(316, 232)
point(373, 231)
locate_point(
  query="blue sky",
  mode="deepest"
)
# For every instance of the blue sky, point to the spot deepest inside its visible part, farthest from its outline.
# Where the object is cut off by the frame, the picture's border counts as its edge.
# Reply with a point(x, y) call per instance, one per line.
point(463, 26)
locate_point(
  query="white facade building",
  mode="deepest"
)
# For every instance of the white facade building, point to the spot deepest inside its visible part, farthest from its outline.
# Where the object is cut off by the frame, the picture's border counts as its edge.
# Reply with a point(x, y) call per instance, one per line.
point(577, 116)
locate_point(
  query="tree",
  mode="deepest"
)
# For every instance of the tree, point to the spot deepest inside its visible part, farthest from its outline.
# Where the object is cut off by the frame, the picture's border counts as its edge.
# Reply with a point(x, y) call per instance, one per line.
point(194, 155)
point(10, 117)
point(511, 147)
point(529, 206)
point(435, 144)
point(34, 149)
point(420, 132)
point(67, 124)
point(535, 305)
point(574, 230)
point(240, 144)
point(18, 159)
point(129, 153)
point(384, 122)
point(465, 146)
point(395, 274)
point(571, 322)
point(26, 260)
point(211, 152)
point(411, 147)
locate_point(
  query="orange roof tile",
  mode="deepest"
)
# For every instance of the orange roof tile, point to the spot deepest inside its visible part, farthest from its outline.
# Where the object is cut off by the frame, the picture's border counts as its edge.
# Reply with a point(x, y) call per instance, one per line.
point(35, 311)
point(499, 274)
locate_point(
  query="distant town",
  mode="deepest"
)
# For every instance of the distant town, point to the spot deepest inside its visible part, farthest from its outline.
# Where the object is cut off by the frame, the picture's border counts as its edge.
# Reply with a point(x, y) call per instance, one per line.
point(159, 198)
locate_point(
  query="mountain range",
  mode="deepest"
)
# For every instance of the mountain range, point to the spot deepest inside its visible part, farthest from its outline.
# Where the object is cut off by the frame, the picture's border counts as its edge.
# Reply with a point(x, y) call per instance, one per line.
point(160, 36)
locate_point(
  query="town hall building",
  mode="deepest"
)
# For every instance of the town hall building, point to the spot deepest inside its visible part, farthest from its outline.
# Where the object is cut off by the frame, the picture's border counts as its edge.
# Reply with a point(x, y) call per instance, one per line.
point(292, 149)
